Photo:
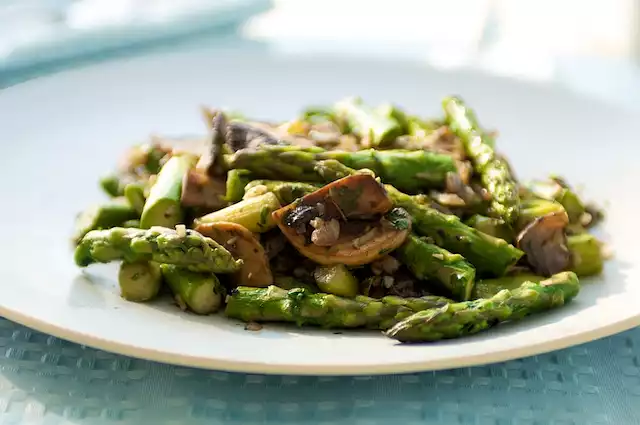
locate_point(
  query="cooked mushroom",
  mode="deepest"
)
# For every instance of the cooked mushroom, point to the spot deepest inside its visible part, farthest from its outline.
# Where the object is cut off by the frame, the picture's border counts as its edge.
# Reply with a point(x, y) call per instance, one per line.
point(241, 243)
point(211, 160)
point(201, 190)
point(341, 223)
point(545, 243)
point(242, 135)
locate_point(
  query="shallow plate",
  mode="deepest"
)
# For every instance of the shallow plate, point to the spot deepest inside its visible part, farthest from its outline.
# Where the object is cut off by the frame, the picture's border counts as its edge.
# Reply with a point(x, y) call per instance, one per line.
point(60, 133)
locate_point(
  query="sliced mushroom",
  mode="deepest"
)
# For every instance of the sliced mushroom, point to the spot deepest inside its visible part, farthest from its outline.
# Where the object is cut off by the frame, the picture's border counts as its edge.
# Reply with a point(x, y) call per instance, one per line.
point(211, 160)
point(241, 243)
point(340, 223)
point(243, 135)
point(355, 196)
point(201, 190)
point(545, 243)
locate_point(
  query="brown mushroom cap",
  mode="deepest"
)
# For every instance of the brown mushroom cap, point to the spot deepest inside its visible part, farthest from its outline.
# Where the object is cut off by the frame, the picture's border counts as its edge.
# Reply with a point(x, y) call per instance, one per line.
point(356, 203)
point(241, 243)
point(545, 243)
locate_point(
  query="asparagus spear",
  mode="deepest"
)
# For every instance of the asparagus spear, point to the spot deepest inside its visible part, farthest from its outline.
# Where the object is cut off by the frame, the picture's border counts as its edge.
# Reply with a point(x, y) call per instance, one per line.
point(252, 213)
point(199, 292)
point(408, 170)
point(486, 253)
point(162, 208)
point(531, 209)
point(186, 248)
point(139, 281)
point(273, 304)
point(494, 171)
point(469, 317)
point(134, 193)
point(374, 128)
point(495, 227)
point(487, 288)
point(586, 254)
point(236, 182)
point(285, 191)
point(111, 214)
point(429, 261)
point(336, 279)
point(113, 185)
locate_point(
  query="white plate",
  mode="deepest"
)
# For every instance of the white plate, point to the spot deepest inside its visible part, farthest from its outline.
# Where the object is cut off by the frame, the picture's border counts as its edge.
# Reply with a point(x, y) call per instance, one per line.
point(60, 133)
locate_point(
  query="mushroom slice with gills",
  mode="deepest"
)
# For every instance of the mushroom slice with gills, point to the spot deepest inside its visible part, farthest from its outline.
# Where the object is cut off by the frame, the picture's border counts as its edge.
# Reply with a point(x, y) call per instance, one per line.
point(545, 243)
point(250, 135)
point(203, 191)
point(241, 243)
point(350, 222)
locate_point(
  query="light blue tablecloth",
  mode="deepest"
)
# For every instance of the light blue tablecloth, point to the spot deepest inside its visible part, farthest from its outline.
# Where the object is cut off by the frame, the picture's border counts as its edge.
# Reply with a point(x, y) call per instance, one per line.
point(47, 381)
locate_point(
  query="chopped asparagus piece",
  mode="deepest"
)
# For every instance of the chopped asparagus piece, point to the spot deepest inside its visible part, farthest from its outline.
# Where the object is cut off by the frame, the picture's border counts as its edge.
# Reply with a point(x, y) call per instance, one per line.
point(470, 317)
point(162, 208)
point(139, 281)
point(300, 306)
point(252, 213)
point(408, 170)
point(111, 214)
point(336, 280)
point(494, 171)
point(287, 192)
point(236, 182)
point(188, 249)
point(487, 288)
point(491, 226)
point(428, 261)
point(373, 127)
point(134, 193)
point(586, 254)
point(199, 292)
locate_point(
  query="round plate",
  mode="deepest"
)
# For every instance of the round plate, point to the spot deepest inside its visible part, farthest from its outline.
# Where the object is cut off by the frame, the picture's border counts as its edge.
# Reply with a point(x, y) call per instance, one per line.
point(60, 133)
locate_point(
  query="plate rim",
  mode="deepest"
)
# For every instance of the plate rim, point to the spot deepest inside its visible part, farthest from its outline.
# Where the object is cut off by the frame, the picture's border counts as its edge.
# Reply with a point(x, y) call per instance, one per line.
point(316, 370)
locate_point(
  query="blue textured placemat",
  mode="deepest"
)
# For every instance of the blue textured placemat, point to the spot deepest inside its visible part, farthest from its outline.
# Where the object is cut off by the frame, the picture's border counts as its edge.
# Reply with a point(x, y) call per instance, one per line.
point(45, 380)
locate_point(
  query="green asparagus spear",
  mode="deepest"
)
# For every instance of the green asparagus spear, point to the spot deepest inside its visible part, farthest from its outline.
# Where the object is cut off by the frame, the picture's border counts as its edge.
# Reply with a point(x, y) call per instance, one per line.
point(469, 317)
point(487, 288)
point(336, 280)
point(131, 223)
point(555, 189)
point(408, 170)
point(186, 248)
point(494, 171)
point(252, 213)
point(273, 304)
point(162, 208)
point(491, 226)
point(134, 192)
point(486, 253)
point(139, 281)
point(374, 128)
point(113, 185)
point(289, 282)
point(199, 292)
point(285, 191)
point(530, 209)
point(429, 261)
point(111, 214)
point(586, 254)
point(236, 182)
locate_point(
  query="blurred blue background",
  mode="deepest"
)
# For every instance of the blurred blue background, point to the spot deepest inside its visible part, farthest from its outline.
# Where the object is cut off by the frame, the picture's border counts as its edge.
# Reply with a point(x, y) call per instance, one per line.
point(589, 45)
